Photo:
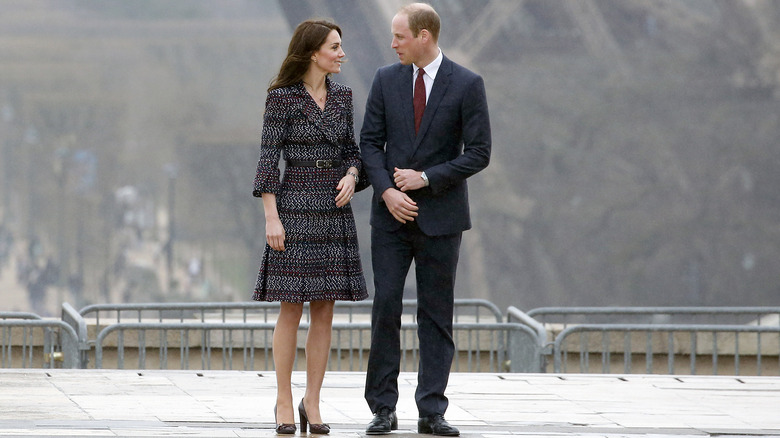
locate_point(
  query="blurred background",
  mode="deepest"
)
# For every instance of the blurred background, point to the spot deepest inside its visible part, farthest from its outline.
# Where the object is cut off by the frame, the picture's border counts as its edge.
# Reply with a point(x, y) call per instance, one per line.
point(635, 156)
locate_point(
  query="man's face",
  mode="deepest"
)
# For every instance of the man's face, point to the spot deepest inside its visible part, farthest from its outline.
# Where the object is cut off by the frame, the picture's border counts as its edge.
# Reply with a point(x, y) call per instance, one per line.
point(406, 46)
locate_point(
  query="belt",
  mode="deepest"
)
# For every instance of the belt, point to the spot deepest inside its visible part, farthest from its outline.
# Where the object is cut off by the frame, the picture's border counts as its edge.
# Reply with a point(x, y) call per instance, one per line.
point(319, 164)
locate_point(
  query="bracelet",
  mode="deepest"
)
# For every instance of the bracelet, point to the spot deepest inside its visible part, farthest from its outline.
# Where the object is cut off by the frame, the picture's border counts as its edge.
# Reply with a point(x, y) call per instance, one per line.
point(349, 172)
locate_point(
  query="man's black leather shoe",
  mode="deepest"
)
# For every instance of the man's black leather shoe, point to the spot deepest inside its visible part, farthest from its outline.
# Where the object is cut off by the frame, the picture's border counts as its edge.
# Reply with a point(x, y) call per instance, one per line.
point(384, 421)
point(436, 425)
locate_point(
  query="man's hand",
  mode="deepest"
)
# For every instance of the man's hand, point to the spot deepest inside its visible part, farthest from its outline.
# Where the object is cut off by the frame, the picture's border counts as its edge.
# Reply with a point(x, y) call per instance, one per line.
point(408, 179)
point(400, 205)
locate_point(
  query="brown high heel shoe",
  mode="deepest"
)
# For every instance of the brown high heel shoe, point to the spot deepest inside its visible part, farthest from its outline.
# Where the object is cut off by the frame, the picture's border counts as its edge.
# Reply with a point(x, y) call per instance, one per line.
point(284, 428)
point(320, 429)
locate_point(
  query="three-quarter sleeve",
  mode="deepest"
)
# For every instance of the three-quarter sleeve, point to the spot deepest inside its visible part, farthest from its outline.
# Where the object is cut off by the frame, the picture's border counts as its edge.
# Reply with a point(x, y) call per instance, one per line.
point(273, 136)
point(350, 152)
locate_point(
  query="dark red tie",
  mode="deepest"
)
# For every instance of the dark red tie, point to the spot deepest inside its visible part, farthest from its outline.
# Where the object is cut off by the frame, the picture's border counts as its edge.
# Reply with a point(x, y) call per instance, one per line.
point(419, 99)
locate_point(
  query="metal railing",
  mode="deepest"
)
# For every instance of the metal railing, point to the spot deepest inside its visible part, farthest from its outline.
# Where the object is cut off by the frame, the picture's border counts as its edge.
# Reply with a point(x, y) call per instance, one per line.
point(530, 355)
point(671, 348)
point(238, 335)
point(565, 335)
point(247, 345)
point(661, 315)
point(473, 309)
point(81, 345)
point(225, 332)
point(27, 341)
point(19, 315)
point(351, 332)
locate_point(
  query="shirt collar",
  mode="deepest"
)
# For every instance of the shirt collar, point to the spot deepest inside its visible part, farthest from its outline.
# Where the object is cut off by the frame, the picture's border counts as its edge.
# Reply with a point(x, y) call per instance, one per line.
point(432, 68)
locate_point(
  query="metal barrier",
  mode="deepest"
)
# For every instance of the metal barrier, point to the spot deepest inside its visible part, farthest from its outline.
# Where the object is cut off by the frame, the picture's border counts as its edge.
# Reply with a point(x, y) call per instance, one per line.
point(181, 311)
point(698, 334)
point(479, 346)
point(557, 319)
point(529, 356)
point(239, 335)
point(71, 317)
point(19, 315)
point(54, 343)
point(473, 309)
point(709, 315)
point(179, 334)
point(252, 312)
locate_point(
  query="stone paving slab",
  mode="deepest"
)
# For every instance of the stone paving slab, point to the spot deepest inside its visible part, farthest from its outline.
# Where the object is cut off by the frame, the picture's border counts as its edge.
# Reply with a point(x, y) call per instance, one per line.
point(144, 403)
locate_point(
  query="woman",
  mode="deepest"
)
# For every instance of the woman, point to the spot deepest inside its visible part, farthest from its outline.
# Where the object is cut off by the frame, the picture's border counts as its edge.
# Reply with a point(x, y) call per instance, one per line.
point(312, 251)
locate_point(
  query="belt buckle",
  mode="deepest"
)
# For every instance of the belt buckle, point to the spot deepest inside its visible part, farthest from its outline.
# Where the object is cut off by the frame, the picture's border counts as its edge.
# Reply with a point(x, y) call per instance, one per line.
point(323, 164)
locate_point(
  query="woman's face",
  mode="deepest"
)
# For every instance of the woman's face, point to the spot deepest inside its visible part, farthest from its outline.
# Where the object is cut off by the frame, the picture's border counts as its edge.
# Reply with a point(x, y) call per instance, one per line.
point(328, 57)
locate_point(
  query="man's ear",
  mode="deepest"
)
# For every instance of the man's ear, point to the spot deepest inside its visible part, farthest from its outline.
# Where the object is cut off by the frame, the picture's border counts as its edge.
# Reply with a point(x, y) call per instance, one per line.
point(424, 35)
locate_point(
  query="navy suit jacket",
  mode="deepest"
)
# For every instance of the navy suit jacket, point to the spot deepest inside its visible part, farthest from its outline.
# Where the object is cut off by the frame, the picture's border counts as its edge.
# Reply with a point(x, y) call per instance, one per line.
point(453, 143)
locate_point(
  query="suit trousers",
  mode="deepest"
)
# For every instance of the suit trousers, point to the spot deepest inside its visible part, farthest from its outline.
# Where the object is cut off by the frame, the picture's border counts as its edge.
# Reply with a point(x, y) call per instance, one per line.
point(435, 259)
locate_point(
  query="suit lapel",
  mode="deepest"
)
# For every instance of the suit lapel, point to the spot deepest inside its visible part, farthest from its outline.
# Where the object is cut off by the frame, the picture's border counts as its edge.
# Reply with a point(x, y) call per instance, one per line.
point(440, 85)
point(406, 94)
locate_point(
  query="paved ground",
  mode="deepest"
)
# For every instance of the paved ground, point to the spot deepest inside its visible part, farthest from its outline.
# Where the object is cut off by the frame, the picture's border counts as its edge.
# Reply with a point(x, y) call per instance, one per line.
point(88, 403)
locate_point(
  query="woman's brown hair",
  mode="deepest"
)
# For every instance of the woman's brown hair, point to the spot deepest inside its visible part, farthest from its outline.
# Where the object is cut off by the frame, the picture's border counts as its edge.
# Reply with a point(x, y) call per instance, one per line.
point(308, 37)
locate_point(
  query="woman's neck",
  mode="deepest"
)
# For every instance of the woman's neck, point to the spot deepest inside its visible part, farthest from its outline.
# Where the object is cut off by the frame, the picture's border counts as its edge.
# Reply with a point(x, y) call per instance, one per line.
point(314, 80)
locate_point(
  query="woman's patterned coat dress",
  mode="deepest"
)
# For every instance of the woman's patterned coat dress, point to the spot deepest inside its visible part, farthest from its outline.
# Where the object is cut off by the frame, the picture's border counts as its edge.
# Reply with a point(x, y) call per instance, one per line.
point(321, 260)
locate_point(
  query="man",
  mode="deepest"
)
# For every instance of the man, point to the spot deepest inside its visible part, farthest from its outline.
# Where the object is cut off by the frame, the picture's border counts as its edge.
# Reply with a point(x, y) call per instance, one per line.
point(426, 130)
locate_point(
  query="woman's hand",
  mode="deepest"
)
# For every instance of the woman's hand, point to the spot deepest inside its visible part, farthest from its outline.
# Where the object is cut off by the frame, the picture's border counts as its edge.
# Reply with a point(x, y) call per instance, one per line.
point(346, 188)
point(274, 233)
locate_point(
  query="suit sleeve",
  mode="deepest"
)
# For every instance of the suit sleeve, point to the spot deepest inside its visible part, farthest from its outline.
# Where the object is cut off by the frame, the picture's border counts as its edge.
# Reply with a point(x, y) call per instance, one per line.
point(373, 137)
point(476, 141)
point(272, 139)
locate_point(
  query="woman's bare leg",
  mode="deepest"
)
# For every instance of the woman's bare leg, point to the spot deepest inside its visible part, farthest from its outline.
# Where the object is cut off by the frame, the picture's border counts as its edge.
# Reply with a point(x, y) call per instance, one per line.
point(317, 352)
point(284, 348)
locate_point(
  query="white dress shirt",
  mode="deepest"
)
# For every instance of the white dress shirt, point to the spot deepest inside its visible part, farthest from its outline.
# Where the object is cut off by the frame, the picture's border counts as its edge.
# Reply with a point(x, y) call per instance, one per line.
point(430, 74)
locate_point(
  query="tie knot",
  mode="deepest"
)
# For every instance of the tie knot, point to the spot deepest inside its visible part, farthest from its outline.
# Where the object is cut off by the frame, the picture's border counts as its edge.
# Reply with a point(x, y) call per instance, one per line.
point(420, 73)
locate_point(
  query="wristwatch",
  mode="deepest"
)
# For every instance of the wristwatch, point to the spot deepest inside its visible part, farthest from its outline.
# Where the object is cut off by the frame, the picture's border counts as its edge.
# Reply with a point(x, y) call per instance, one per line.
point(425, 179)
point(349, 172)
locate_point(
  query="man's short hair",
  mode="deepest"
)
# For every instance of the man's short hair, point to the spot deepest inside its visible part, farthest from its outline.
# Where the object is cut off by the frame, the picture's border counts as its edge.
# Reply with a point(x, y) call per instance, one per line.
point(422, 16)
